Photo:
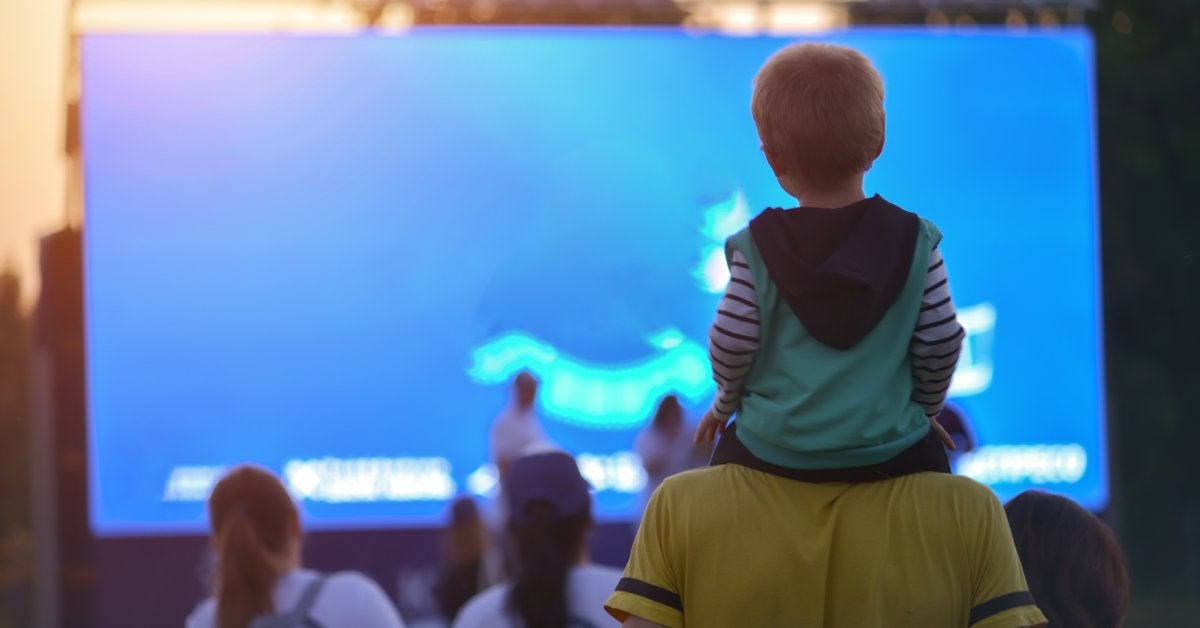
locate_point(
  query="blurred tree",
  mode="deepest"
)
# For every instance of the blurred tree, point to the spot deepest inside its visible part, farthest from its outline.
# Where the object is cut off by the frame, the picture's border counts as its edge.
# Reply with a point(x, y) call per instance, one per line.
point(1149, 94)
point(15, 552)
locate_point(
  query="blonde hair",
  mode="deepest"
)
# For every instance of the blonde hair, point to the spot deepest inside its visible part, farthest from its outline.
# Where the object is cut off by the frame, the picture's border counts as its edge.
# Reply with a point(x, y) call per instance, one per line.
point(819, 111)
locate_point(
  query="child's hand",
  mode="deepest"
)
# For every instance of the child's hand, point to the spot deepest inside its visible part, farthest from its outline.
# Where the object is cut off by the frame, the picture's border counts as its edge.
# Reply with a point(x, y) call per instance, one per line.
point(709, 427)
point(942, 434)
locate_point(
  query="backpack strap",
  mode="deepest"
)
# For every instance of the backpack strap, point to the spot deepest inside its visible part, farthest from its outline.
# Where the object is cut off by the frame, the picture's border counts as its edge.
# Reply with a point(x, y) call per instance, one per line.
point(298, 615)
point(301, 610)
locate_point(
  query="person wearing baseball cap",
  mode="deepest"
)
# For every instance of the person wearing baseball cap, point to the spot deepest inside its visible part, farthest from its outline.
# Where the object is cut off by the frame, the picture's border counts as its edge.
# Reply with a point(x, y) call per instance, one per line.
point(555, 585)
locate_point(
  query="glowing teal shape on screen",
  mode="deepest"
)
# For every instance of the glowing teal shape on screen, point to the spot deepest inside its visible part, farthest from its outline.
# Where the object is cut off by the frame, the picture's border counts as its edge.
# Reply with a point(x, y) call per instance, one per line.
point(624, 396)
point(721, 220)
point(599, 396)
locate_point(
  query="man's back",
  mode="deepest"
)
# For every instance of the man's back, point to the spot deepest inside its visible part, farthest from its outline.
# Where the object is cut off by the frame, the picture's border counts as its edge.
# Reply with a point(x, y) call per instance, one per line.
point(730, 545)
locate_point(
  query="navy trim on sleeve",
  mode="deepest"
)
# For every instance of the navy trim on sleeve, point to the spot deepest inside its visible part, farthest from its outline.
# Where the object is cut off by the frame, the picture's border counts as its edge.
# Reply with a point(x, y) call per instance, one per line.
point(651, 592)
point(998, 605)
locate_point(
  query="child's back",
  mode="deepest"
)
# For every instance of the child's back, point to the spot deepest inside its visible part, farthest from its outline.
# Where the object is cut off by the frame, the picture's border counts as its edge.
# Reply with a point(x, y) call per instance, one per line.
point(836, 339)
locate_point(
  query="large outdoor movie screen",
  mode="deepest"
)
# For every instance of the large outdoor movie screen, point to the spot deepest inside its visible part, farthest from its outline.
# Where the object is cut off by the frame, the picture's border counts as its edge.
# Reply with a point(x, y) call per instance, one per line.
point(331, 255)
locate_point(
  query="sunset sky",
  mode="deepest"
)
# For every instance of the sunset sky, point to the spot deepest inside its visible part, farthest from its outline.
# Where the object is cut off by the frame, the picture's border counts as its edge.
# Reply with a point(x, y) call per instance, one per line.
point(32, 165)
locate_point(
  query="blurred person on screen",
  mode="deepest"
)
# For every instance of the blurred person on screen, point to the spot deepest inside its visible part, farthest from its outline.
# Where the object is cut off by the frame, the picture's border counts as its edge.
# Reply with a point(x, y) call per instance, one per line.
point(471, 562)
point(517, 430)
point(1075, 568)
point(554, 584)
point(829, 500)
point(259, 581)
point(664, 446)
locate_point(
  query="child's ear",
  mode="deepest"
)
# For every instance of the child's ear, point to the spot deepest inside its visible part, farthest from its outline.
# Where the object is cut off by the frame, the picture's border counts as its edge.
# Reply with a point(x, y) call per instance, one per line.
point(774, 160)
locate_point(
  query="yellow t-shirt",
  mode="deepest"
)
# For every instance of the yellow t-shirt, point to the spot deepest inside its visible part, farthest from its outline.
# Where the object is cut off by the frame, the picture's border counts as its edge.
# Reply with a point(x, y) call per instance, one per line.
point(732, 546)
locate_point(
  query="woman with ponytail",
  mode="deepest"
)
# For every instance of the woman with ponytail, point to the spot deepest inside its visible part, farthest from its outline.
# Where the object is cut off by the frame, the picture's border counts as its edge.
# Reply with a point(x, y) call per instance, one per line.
point(1075, 569)
point(259, 582)
point(555, 586)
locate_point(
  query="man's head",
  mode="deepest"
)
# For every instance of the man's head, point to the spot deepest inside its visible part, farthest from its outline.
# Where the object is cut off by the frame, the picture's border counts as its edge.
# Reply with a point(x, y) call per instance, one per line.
point(525, 389)
point(819, 112)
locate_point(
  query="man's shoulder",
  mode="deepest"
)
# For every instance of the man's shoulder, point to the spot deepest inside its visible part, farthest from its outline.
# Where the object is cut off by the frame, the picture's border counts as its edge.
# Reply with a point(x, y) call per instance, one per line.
point(929, 486)
point(945, 485)
point(688, 489)
point(936, 490)
point(697, 479)
point(949, 481)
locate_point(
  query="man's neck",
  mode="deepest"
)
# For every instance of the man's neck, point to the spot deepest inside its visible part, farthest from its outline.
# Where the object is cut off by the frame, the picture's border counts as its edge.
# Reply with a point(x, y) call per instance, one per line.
point(832, 198)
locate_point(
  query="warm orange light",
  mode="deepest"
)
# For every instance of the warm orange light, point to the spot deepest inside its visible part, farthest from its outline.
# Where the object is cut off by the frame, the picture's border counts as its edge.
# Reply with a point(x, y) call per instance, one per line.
point(228, 16)
point(1015, 20)
point(749, 18)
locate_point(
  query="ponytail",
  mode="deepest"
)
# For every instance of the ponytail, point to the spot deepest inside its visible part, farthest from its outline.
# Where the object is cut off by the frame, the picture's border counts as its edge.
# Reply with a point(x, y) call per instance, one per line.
point(546, 550)
point(246, 573)
point(253, 523)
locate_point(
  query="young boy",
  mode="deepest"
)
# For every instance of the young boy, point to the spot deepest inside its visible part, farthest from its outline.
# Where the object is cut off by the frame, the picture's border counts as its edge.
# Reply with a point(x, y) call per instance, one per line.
point(836, 339)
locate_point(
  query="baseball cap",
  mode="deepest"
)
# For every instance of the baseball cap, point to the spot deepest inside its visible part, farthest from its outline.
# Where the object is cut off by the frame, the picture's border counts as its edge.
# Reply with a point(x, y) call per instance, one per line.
point(552, 478)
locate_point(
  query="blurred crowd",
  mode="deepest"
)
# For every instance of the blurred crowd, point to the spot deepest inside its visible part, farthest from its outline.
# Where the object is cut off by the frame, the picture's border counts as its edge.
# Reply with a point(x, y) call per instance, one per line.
point(532, 568)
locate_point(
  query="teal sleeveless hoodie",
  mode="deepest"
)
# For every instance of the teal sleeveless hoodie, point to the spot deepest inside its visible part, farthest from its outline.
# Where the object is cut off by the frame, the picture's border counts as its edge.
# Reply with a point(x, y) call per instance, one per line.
point(809, 405)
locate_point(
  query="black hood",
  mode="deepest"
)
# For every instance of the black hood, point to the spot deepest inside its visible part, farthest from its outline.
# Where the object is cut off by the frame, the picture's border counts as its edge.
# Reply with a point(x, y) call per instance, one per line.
point(839, 269)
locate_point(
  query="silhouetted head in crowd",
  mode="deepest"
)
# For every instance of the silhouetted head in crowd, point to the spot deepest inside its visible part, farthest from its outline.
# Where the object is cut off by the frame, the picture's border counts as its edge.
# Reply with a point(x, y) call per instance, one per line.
point(669, 416)
point(466, 544)
point(525, 389)
point(550, 515)
point(1073, 564)
point(466, 536)
point(256, 534)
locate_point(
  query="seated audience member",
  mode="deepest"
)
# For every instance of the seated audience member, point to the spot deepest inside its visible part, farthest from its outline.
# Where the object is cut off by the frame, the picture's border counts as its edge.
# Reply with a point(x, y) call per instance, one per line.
point(259, 581)
point(1072, 561)
point(471, 563)
point(748, 543)
point(550, 515)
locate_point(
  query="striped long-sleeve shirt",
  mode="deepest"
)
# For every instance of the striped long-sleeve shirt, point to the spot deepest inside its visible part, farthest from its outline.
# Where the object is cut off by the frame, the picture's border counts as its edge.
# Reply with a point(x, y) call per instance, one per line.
point(734, 338)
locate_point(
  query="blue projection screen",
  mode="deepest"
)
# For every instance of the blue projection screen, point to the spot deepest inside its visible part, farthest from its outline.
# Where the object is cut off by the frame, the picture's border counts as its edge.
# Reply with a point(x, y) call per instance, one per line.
point(330, 255)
